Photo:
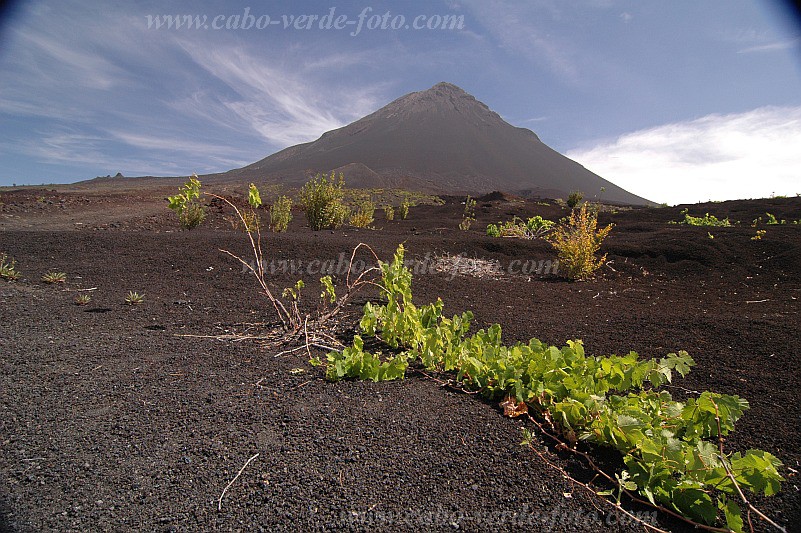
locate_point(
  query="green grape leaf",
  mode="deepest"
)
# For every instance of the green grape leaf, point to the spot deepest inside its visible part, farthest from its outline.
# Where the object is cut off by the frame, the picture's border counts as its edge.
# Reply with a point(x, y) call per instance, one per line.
point(254, 198)
point(731, 511)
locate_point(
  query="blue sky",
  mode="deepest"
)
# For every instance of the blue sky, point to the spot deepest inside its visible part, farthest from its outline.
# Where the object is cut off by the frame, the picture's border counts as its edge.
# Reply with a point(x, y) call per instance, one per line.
point(677, 101)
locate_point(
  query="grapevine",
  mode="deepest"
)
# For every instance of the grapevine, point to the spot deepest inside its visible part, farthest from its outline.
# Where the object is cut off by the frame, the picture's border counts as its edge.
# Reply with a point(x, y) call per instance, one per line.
point(672, 450)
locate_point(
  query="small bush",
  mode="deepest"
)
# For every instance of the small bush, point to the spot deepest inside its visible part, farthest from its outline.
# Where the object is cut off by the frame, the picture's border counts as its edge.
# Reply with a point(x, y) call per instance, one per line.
point(706, 220)
point(577, 240)
point(251, 221)
point(574, 198)
point(469, 214)
point(281, 214)
point(54, 277)
point(8, 268)
point(533, 228)
point(187, 206)
point(389, 212)
point(134, 298)
point(364, 215)
point(322, 198)
point(82, 299)
point(403, 209)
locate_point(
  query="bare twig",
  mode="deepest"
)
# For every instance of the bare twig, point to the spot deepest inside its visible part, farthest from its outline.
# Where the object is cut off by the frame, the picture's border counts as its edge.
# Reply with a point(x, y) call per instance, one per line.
point(219, 502)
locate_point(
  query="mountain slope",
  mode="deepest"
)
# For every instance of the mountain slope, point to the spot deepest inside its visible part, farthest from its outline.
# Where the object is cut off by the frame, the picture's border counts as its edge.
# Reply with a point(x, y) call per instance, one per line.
point(440, 140)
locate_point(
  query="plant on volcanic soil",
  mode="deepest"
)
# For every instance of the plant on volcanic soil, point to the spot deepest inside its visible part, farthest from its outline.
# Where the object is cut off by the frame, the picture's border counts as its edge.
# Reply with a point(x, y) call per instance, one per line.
point(574, 198)
point(8, 268)
point(533, 228)
point(469, 214)
point(186, 205)
point(281, 214)
point(54, 277)
point(322, 198)
point(363, 215)
point(772, 221)
point(134, 298)
point(403, 209)
point(673, 451)
point(759, 234)
point(577, 239)
point(288, 312)
point(250, 221)
point(706, 220)
point(82, 299)
point(389, 212)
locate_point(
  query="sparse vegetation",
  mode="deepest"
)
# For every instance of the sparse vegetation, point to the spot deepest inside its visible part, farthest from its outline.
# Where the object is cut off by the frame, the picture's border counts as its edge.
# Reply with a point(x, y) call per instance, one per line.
point(759, 234)
point(251, 221)
point(574, 198)
point(186, 205)
point(281, 214)
point(82, 299)
point(54, 277)
point(706, 220)
point(577, 239)
point(322, 199)
point(8, 268)
point(363, 215)
point(533, 228)
point(389, 212)
point(469, 214)
point(403, 209)
point(134, 298)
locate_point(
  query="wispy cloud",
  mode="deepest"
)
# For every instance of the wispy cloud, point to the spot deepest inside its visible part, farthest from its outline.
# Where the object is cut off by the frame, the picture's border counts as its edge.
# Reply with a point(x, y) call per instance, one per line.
point(716, 157)
point(283, 108)
point(520, 28)
point(772, 47)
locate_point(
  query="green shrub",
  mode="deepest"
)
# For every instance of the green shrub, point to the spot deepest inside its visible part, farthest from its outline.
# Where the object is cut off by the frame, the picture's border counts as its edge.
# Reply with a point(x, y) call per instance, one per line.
point(134, 298)
point(533, 228)
point(469, 214)
point(363, 215)
point(82, 299)
point(321, 197)
point(8, 268)
point(403, 209)
point(389, 212)
point(574, 198)
point(576, 240)
point(706, 220)
point(250, 221)
point(54, 277)
point(186, 204)
point(281, 214)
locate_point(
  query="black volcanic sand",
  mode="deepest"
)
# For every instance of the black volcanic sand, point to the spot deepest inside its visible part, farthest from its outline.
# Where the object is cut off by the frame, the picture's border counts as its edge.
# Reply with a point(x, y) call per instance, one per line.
point(112, 420)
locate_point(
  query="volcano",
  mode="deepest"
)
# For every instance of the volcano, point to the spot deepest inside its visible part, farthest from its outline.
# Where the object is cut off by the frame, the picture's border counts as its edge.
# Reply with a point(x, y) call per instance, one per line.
point(440, 140)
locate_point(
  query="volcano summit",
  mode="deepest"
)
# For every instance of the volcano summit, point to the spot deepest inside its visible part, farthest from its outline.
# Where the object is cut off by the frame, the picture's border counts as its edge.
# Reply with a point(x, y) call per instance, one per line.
point(440, 140)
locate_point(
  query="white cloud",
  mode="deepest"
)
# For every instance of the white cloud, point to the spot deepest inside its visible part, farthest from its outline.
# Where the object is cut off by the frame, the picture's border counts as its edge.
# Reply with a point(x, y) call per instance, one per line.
point(283, 108)
point(772, 46)
point(523, 29)
point(716, 157)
